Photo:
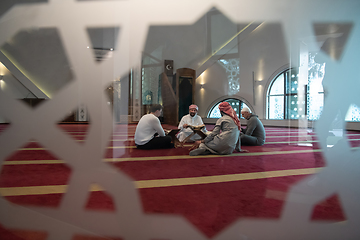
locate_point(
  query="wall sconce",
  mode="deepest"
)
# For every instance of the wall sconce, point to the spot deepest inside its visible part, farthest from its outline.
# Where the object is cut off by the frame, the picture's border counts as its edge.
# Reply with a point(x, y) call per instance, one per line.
point(257, 85)
point(201, 86)
point(1, 81)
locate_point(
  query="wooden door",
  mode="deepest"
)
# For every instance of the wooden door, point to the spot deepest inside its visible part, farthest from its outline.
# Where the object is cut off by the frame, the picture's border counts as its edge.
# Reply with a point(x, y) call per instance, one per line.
point(185, 82)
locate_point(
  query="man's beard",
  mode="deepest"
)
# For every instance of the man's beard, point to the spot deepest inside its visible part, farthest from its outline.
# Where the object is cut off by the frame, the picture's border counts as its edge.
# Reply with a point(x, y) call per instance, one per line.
point(192, 114)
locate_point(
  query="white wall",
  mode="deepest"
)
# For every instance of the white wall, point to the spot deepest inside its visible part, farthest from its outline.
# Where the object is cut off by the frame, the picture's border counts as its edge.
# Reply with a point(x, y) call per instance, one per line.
point(11, 86)
point(263, 52)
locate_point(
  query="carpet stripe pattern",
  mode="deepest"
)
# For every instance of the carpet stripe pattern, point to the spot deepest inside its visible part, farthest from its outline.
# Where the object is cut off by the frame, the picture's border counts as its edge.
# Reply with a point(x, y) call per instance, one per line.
point(210, 191)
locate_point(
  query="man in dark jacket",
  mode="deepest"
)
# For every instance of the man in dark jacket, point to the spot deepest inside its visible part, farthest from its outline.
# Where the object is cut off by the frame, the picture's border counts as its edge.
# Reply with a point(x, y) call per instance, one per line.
point(254, 133)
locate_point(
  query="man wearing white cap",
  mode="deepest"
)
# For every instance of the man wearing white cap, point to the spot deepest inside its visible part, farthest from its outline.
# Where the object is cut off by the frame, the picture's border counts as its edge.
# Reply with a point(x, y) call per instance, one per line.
point(188, 121)
point(254, 133)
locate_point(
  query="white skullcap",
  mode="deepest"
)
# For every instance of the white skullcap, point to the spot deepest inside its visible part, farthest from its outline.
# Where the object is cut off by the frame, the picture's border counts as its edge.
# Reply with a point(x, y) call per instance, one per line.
point(194, 106)
point(245, 109)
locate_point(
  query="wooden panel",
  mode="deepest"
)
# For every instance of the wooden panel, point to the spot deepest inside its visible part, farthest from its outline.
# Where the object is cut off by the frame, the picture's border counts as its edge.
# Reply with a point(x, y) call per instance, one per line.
point(171, 99)
point(185, 90)
point(169, 102)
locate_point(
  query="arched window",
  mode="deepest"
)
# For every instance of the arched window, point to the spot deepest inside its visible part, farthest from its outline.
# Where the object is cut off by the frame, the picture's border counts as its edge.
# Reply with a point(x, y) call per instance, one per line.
point(236, 104)
point(288, 99)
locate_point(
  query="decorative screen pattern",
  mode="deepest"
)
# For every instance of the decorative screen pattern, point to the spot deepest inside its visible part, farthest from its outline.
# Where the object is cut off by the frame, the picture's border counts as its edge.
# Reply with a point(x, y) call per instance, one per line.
point(315, 96)
point(236, 104)
point(233, 72)
point(353, 114)
point(316, 101)
point(150, 82)
point(129, 220)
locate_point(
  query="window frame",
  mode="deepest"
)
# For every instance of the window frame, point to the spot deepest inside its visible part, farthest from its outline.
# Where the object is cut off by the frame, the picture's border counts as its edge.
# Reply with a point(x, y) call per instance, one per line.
point(241, 102)
point(287, 74)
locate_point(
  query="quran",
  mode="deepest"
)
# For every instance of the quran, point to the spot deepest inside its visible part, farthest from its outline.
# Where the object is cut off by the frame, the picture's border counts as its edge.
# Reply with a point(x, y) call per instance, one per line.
point(199, 127)
point(171, 132)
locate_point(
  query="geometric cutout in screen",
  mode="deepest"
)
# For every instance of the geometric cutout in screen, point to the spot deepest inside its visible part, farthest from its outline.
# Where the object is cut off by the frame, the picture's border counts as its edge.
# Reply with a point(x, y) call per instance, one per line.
point(4, 125)
point(117, 96)
point(121, 143)
point(87, 237)
point(17, 234)
point(79, 115)
point(103, 41)
point(110, 94)
point(332, 37)
point(34, 176)
point(76, 124)
point(7, 5)
point(31, 151)
point(329, 210)
point(33, 102)
point(37, 64)
point(99, 199)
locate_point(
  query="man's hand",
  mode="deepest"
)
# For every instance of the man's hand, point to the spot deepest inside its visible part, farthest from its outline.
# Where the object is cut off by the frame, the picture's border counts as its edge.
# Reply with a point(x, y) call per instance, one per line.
point(185, 125)
point(195, 145)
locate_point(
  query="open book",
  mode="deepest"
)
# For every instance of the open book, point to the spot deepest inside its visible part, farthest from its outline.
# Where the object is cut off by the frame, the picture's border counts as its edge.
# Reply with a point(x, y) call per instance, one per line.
point(199, 127)
point(171, 132)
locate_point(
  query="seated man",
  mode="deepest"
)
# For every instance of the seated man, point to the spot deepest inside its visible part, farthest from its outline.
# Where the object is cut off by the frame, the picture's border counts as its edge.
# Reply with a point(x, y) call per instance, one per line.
point(224, 139)
point(188, 123)
point(149, 133)
point(254, 133)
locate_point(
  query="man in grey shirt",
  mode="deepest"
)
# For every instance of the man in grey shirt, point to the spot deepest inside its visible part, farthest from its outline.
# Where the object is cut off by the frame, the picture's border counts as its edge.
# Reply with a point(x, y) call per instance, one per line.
point(254, 133)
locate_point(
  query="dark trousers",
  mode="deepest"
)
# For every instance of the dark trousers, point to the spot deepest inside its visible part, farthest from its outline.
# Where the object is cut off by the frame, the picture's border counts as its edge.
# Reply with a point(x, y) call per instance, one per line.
point(247, 140)
point(157, 143)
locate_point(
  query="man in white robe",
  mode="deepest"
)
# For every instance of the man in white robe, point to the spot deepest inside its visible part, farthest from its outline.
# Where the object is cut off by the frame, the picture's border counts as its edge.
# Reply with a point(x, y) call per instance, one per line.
point(187, 122)
point(224, 138)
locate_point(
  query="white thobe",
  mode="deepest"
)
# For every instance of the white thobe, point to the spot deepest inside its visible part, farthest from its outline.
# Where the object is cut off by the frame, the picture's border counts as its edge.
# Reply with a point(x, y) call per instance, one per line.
point(185, 132)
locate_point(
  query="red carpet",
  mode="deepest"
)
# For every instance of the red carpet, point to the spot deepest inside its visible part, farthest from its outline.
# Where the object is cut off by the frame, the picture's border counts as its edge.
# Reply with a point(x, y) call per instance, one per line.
point(210, 207)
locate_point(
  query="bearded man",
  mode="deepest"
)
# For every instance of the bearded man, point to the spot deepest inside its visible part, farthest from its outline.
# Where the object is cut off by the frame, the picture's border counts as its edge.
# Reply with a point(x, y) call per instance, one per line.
point(188, 122)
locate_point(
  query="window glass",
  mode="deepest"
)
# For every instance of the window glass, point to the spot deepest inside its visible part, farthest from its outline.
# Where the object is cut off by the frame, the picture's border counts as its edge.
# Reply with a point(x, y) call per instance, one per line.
point(278, 85)
point(289, 105)
point(293, 83)
point(276, 111)
point(215, 112)
point(293, 107)
point(236, 104)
